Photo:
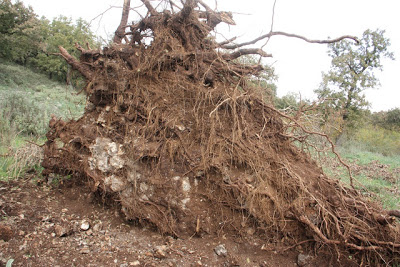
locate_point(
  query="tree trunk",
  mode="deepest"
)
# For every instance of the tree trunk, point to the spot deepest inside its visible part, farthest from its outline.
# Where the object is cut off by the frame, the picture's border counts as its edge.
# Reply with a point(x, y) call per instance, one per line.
point(120, 32)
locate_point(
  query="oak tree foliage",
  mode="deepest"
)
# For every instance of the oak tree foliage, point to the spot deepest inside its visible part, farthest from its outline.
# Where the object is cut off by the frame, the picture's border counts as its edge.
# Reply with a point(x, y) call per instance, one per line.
point(352, 71)
point(65, 32)
point(19, 27)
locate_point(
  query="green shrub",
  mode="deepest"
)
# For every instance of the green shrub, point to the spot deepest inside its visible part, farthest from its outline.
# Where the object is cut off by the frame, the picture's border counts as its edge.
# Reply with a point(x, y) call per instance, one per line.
point(387, 119)
point(377, 139)
point(21, 114)
point(371, 138)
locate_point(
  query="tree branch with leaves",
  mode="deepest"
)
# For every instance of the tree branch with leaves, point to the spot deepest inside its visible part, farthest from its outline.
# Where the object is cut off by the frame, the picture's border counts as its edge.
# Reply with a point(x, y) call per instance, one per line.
point(352, 72)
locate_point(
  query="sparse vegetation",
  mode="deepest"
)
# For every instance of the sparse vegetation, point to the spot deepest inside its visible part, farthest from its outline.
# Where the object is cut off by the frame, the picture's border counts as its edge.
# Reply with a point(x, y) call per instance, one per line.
point(377, 175)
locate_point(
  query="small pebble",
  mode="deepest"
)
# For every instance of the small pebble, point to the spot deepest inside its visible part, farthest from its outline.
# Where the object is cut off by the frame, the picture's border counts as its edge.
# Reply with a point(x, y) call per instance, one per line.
point(85, 225)
point(220, 250)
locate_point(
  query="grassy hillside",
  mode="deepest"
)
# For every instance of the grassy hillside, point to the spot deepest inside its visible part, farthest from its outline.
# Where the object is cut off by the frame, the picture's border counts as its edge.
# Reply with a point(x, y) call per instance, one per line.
point(27, 101)
point(36, 89)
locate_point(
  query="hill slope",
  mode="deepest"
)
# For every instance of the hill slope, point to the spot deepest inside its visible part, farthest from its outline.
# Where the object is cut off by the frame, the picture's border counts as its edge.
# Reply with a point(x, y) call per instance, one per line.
point(27, 100)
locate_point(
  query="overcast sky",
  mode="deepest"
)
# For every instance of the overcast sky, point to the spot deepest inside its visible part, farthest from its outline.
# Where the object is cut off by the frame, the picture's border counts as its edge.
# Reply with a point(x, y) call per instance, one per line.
point(298, 64)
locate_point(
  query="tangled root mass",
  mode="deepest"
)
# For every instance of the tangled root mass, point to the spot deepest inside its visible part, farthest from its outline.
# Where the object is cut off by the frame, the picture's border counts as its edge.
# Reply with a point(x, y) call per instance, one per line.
point(174, 131)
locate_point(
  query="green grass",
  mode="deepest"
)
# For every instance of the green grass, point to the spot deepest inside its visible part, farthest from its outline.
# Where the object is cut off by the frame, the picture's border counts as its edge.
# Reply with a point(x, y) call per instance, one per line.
point(365, 157)
point(382, 190)
point(27, 101)
point(6, 162)
point(4, 165)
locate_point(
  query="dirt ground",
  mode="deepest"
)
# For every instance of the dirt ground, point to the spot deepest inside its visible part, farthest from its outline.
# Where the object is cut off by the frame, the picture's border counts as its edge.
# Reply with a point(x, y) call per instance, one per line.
point(49, 228)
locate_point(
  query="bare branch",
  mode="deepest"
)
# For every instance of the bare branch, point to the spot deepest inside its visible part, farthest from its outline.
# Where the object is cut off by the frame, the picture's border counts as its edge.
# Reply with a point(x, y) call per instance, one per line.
point(246, 51)
point(227, 41)
point(172, 4)
point(208, 9)
point(270, 34)
point(149, 7)
point(88, 51)
point(102, 14)
point(272, 25)
point(213, 17)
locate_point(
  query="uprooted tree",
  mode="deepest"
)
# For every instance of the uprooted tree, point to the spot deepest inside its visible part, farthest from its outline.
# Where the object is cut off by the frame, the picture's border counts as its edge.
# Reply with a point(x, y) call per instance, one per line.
point(175, 133)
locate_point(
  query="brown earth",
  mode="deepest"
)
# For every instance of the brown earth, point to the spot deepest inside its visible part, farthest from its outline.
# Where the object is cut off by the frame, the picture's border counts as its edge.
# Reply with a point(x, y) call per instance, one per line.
point(46, 231)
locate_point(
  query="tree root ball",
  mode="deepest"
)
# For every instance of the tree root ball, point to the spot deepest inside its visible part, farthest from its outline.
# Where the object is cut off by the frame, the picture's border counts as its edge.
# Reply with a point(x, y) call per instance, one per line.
point(179, 136)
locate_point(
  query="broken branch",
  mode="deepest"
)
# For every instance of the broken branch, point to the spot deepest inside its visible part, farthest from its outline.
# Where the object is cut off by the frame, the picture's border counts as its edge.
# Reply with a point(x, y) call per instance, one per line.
point(83, 69)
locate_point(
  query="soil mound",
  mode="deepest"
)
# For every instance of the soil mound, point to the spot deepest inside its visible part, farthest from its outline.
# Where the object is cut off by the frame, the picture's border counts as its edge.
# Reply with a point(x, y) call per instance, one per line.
point(177, 134)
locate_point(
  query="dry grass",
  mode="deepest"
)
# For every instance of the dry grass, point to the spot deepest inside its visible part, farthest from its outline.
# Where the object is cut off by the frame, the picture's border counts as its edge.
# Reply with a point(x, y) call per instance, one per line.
point(25, 158)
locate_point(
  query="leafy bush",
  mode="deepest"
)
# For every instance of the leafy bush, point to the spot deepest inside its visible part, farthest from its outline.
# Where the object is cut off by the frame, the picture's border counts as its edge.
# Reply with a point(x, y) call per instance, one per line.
point(387, 119)
point(375, 139)
point(27, 40)
point(393, 119)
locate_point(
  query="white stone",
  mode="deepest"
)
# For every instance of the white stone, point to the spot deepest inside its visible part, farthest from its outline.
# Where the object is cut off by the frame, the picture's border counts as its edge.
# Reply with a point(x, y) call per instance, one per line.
point(106, 155)
point(143, 187)
point(85, 225)
point(102, 164)
point(117, 162)
point(112, 148)
point(220, 250)
point(180, 127)
point(186, 184)
point(184, 202)
point(115, 183)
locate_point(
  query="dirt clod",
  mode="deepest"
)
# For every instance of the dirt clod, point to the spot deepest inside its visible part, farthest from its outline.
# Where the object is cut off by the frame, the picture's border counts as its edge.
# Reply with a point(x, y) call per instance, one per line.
point(62, 231)
point(6, 233)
